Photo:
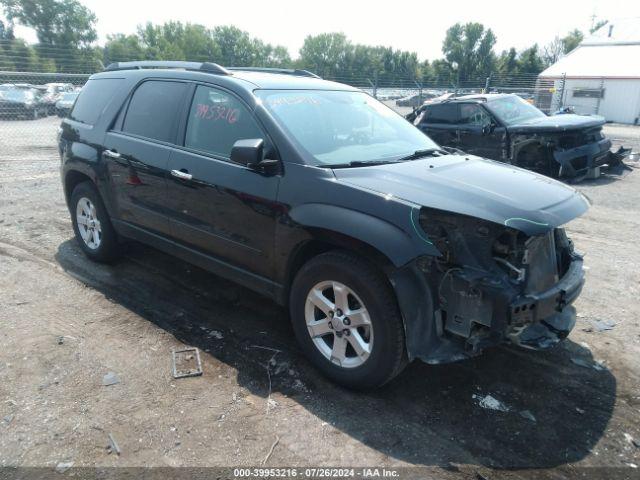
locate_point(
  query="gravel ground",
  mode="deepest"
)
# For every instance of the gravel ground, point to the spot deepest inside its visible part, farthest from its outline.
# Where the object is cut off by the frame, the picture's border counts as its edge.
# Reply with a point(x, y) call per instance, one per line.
point(67, 322)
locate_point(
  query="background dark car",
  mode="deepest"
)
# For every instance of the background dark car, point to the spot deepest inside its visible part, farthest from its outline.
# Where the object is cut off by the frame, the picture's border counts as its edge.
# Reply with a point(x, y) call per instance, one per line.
point(19, 102)
point(53, 93)
point(415, 100)
point(65, 103)
point(507, 128)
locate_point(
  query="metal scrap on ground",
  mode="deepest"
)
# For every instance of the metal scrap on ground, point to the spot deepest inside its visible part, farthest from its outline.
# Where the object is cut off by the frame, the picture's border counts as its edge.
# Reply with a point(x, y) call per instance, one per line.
point(491, 403)
point(186, 363)
point(113, 445)
point(110, 379)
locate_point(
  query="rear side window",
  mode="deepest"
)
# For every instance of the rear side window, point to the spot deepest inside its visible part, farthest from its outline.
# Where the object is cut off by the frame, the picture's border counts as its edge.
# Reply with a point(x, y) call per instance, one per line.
point(93, 99)
point(443, 113)
point(153, 110)
point(217, 120)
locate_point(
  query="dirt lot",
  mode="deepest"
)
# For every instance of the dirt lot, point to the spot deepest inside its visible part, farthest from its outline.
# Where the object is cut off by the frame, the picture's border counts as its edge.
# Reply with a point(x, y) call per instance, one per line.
point(67, 322)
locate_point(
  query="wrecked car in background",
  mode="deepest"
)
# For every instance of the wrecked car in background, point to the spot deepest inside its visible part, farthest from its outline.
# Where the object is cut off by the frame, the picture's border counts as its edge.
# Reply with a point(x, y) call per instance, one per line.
point(506, 128)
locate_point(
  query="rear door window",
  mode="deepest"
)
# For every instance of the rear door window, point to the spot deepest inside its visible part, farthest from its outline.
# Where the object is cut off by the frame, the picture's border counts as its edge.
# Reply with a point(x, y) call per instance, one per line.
point(445, 113)
point(217, 120)
point(154, 109)
point(94, 98)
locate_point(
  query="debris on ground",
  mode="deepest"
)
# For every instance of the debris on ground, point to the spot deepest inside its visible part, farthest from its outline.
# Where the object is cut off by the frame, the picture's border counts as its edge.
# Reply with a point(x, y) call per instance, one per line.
point(110, 379)
point(215, 334)
point(598, 325)
point(299, 385)
point(490, 403)
point(60, 340)
point(8, 418)
point(62, 467)
point(580, 411)
point(186, 363)
point(583, 363)
point(631, 440)
point(273, 446)
point(528, 415)
point(113, 446)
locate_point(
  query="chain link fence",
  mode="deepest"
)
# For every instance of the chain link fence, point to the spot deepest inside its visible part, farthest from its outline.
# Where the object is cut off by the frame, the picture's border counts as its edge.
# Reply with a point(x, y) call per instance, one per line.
point(32, 103)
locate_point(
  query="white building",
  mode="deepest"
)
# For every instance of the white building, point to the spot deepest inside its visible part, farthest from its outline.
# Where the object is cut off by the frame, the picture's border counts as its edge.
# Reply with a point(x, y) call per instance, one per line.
point(602, 75)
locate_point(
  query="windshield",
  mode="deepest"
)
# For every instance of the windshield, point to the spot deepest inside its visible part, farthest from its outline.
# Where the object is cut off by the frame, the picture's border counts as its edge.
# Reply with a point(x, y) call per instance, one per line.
point(513, 109)
point(338, 127)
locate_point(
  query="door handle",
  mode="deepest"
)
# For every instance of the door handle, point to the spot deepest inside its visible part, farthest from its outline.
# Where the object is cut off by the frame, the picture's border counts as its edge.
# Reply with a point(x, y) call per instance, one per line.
point(183, 175)
point(111, 154)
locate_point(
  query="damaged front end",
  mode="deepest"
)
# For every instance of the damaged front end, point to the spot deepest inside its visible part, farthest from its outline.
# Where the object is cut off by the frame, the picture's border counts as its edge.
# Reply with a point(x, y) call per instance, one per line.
point(492, 284)
point(569, 154)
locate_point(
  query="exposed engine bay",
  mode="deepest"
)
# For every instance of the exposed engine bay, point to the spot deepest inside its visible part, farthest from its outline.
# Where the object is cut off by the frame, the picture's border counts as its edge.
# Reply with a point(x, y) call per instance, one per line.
point(494, 284)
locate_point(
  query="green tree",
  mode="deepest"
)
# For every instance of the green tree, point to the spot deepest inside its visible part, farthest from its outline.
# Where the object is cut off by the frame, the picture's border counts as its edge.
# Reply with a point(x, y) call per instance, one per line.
point(123, 48)
point(327, 54)
point(442, 74)
point(469, 50)
point(507, 62)
point(572, 40)
point(597, 25)
point(23, 57)
point(65, 23)
point(529, 61)
point(237, 48)
point(6, 32)
point(270, 56)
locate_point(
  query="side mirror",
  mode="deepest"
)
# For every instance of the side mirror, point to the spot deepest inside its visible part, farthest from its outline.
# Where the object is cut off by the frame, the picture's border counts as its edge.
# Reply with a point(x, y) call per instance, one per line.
point(248, 152)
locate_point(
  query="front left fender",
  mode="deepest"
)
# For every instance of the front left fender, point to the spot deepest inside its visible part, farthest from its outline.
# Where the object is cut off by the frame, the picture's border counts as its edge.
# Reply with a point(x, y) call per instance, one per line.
point(400, 241)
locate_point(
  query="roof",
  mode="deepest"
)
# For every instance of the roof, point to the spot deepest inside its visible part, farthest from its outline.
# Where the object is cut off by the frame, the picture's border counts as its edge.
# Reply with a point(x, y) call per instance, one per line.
point(598, 61)
point(282, 81)
point(617, 31)
point(249, 78)
point(612, 51)
point(480, 97)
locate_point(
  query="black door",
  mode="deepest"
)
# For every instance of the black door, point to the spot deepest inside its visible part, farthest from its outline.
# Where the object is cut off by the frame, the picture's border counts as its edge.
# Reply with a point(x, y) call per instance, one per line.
point(439, 122)
point(478, 133)
point(137, 152)
point(222, 208)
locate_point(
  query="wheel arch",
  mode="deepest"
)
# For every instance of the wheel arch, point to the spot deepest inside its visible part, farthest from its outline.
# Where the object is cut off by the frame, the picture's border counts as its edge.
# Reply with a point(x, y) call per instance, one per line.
point(328, 228)
point(324, 240)
point(72, 179)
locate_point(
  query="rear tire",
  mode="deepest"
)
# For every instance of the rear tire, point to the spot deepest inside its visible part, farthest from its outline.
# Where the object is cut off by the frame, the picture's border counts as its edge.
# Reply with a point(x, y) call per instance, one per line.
point(345, 317)
point(92, 225)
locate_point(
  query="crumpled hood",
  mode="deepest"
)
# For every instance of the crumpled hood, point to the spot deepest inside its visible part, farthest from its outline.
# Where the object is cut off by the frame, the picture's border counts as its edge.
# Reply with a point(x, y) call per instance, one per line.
point(477, 187)
point(558, 123)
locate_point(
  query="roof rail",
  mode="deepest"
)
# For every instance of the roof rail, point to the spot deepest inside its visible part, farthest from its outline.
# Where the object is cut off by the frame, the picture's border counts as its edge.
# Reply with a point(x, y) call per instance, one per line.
point(207, 67)
point(285, 71)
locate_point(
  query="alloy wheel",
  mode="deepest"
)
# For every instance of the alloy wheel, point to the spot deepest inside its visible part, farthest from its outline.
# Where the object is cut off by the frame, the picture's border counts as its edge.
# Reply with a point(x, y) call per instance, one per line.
point(88, 223)
point(339, 324)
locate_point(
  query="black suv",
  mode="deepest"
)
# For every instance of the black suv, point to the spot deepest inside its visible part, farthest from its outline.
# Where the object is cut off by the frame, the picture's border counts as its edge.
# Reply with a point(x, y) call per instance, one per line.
point(385, 247)
point(506, 128)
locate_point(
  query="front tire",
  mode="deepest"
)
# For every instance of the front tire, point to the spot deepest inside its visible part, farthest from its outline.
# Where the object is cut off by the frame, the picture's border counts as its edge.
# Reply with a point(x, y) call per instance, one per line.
point(92, 225)
point(345, 317)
